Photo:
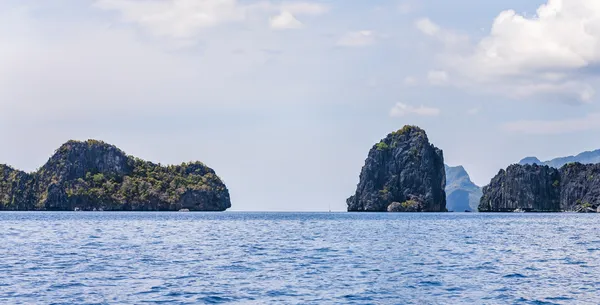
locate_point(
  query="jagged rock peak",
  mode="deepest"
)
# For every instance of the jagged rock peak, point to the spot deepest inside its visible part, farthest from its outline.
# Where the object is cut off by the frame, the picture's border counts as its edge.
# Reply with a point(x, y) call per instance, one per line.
point(402, 173)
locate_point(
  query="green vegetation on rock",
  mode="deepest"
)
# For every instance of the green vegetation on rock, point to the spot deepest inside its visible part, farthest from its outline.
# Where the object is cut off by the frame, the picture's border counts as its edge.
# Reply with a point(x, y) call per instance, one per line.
point(94, 175)
point(382, 146)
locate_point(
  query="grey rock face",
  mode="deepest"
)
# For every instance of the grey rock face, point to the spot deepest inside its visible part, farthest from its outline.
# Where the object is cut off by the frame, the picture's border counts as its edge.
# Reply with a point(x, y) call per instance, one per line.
point(461, 193)
point(527, 187)
point(580, 187)
point(575, 187)
point(403, 172)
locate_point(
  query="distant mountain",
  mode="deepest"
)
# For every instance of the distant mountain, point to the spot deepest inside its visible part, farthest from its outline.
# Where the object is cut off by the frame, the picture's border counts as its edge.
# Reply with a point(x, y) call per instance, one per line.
point(461, 193)
point(588, 157)
point(530, 160)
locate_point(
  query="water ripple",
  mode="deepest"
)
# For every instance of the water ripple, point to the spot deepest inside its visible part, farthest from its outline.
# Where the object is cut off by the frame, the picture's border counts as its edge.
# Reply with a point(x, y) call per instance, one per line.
point(298, 258)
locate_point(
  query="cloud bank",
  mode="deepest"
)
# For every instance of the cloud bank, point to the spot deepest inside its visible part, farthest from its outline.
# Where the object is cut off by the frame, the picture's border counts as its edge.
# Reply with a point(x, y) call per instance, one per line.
point(551, 55)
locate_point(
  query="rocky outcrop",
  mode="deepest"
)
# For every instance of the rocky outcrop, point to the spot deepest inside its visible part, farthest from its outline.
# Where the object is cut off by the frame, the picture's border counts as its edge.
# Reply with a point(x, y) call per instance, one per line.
point(527, 187)
point(535, 188)
point(403, 173)
point(461, 193)
point(93, 175)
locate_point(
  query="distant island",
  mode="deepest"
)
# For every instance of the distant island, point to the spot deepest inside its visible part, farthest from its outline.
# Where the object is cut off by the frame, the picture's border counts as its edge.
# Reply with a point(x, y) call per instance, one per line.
point(402, 173)
point(93, 175)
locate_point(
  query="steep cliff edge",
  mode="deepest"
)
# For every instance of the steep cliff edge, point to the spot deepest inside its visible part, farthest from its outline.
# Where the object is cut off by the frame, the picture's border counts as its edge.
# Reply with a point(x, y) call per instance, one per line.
point(95, 175)
point(403, 173)
point(537, 188)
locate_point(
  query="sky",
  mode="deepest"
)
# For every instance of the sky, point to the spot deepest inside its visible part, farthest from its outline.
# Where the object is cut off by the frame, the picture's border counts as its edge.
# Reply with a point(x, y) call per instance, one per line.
point(285, 99)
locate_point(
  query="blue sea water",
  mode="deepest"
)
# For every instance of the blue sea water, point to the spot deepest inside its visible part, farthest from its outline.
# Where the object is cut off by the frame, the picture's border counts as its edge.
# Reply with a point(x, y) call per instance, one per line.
point(298, 258)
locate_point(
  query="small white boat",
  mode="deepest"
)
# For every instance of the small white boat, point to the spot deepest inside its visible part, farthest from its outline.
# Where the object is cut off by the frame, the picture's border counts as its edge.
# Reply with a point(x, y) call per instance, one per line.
point(184, 210)
point(519, 210)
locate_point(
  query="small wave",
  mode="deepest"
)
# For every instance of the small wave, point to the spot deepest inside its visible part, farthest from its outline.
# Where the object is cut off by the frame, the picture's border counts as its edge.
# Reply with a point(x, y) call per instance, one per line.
point(65, 286)
point(559, 298)
point(354, 297)
point(515, 276)
point(214, 299)
point(430, 283)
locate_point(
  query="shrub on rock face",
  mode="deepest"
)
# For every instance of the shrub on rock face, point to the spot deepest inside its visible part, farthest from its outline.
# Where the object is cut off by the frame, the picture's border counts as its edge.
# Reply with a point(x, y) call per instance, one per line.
point(403, 168)
point(406, 206)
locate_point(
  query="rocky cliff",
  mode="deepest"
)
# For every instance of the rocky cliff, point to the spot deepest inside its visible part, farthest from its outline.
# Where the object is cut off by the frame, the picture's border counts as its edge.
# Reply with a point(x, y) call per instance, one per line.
point(403, 173)
point(527, 187)
point(94, 175)
point(580, 187)
point(461, 193)
point(540, 188)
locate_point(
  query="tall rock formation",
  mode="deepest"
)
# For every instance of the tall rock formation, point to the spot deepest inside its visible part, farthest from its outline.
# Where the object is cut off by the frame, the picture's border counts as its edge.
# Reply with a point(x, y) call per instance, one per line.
point(94, 175)
point(403, 173)
point(536, 188)
point(461, 193)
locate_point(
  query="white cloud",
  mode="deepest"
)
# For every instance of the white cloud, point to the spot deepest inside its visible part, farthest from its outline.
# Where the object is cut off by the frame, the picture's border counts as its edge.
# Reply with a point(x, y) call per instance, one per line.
point(555, 127)
point(357, 39)
point(284, 21)
point(401, 109)
point(185, 19)
point(450, 39)
point(176, 18)
point(552, 53)
point(427, 26)
point(437, 77)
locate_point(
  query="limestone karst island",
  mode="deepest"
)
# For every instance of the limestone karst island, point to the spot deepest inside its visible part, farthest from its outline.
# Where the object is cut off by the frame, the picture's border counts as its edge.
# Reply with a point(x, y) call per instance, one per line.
point(93, 175)
point(405, 173)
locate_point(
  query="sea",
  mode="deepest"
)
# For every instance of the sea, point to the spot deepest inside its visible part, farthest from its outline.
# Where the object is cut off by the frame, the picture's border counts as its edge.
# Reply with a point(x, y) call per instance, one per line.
point(298, 258)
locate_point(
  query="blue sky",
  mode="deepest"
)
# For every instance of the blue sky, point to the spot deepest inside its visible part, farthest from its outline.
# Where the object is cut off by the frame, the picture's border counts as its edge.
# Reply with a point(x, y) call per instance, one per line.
point(284, 99)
